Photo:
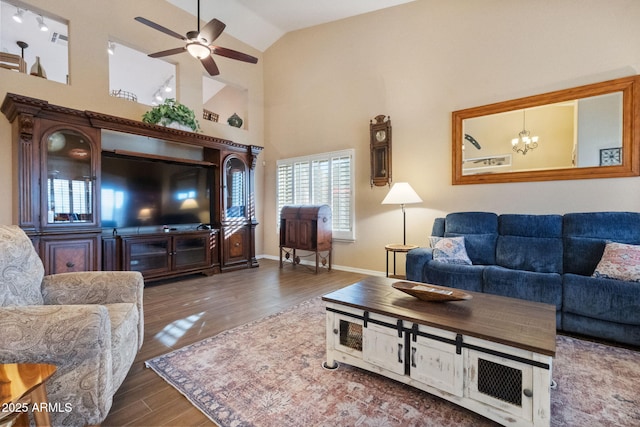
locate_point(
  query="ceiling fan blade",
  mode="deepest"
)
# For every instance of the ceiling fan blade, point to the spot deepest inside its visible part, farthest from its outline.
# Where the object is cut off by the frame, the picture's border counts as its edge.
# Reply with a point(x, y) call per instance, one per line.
point(168, 52)
point(159, 27)
point(211, 31)
point(210, 65)
point(233, 54)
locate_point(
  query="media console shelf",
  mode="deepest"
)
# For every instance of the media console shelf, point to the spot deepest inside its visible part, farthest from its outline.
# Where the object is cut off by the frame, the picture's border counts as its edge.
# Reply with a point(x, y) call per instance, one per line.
point(490, 354)
point(59, 175)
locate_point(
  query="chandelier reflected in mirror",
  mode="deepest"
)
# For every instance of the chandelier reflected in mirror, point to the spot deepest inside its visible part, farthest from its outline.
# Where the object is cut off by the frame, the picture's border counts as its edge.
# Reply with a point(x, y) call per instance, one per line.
point(524, 142)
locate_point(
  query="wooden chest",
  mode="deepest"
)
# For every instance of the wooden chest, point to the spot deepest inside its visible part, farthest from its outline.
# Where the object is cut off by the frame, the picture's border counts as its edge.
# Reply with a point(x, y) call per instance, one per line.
point(306, 227)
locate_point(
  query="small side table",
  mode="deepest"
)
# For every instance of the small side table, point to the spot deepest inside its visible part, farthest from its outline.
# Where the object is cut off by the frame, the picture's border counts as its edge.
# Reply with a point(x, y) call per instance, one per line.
point(21, 387)
point(395, 248)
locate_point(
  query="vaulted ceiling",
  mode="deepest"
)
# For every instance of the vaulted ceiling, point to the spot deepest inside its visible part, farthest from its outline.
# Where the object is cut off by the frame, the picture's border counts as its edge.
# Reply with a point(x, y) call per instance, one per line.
point(260, 23)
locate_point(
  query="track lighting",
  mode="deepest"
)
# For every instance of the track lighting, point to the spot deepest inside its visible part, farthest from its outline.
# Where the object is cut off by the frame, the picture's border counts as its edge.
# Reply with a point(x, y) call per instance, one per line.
point(164, 88)
point(18, 15)
point(41, 24)
point(111, 48)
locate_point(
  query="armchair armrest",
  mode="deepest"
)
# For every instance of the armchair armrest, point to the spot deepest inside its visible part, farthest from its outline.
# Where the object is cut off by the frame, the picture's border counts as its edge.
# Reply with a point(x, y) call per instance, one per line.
point(76, 339)
point(93, 287)
point(96, 287)
point(53, 334)
point(416, 259)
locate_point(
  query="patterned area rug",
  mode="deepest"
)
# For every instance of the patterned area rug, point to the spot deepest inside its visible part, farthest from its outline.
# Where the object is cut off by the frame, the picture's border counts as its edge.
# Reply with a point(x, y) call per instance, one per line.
point(269, 373)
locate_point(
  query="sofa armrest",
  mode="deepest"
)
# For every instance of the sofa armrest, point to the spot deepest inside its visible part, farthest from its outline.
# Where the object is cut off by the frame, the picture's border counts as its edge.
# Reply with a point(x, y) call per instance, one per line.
point(77, 340)
point(416, 259)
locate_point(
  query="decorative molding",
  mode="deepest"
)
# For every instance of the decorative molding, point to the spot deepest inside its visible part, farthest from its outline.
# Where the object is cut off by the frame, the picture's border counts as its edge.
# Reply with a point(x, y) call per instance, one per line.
point(15, 105)
point(25, 127)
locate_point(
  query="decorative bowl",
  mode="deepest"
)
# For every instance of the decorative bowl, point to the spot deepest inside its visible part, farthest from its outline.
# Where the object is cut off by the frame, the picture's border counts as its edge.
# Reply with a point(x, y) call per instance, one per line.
point(433, 293)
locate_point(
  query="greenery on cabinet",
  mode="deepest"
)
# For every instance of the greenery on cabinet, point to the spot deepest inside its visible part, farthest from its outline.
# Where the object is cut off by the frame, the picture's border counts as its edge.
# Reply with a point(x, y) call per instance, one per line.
point(172, 111)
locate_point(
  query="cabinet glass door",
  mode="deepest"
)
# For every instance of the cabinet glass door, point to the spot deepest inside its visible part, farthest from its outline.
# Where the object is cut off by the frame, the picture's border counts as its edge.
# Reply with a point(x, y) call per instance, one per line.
point(191, 252)
point(147, 256)
point(69, 186)
point(235, 189)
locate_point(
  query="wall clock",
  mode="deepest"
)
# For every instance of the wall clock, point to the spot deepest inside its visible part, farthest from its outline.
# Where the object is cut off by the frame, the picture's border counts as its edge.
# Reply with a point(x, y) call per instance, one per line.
point(380, 147)
point(611, 156)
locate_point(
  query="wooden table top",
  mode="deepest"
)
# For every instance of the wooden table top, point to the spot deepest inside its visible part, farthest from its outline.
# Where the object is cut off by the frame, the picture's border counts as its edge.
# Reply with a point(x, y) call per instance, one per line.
point(514, 322)
point(398, 247)
point(19, 379)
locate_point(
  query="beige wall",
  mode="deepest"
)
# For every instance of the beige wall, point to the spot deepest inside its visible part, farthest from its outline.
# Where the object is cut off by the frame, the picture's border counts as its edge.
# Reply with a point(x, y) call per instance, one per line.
point(91, 24)
point(418, 63)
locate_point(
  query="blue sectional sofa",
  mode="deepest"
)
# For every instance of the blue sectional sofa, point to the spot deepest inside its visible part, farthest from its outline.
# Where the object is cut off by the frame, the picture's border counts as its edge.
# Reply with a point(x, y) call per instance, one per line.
point(544, 258)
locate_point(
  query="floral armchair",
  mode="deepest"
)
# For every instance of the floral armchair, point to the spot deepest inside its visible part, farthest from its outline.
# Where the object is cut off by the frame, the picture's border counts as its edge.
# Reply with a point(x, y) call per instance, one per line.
point(88, 324)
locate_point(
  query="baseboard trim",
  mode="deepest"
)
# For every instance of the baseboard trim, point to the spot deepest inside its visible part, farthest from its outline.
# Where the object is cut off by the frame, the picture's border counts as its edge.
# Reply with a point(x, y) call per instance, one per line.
point(333, 266)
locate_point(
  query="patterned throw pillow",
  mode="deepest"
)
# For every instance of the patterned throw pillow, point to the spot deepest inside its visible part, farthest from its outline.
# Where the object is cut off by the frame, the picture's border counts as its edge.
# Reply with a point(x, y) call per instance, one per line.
point(450, 250)
point(619, 261)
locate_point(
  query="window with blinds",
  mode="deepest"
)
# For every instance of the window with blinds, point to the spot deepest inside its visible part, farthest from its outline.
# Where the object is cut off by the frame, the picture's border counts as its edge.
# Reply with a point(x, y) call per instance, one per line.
point(321, 179)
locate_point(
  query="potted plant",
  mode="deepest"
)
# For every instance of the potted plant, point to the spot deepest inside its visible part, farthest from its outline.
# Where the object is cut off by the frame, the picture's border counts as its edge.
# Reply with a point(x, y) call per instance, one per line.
point(170, 113)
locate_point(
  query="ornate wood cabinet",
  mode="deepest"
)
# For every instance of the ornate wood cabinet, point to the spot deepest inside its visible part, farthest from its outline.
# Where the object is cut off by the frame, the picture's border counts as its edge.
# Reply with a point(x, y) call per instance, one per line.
point(306, 228)
point(58, 170)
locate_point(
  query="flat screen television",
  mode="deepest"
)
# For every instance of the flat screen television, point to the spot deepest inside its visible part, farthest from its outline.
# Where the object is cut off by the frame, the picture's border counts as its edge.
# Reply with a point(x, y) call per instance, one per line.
point(140, 192)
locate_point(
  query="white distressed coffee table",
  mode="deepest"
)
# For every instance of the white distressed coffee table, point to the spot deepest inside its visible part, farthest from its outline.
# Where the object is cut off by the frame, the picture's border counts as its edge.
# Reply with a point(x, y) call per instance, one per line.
point(490, 354)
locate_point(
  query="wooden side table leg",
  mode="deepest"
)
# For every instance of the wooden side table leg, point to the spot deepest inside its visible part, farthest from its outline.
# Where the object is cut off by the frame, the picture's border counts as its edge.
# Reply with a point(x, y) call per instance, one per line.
point(394, 263)
point(387, 263)
point(39, 396)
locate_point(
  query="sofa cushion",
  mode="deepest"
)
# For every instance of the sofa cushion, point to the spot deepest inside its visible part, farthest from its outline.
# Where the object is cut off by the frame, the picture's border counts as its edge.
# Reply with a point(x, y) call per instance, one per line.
point(619, 261)
point(450, 250)
point(528, 285)
point(467, 277)
point(438, 227)
point(586, 234)
point(530, 243)
point(21, 270)
point(480, 230)
point(604, 299)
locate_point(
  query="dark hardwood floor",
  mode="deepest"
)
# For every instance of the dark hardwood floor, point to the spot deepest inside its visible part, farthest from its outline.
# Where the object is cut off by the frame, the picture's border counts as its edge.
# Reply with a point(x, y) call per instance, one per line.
point(180, 312)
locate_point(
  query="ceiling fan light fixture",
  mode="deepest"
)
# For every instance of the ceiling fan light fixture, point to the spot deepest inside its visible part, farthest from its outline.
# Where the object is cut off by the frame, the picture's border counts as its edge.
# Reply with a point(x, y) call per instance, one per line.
point(198, 50)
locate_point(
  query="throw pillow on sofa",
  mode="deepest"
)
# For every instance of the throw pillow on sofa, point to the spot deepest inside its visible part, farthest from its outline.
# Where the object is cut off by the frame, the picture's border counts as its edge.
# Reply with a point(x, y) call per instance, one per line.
point(619, 261)
point(450, 250)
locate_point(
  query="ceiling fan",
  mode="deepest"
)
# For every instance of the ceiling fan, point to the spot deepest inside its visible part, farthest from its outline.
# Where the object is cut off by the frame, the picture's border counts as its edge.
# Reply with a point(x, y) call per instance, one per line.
point(199, 44)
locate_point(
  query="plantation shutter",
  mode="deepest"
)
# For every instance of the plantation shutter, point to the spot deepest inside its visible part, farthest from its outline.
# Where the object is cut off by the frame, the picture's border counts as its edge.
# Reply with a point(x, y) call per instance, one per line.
point(320, 179)
point(341, 195)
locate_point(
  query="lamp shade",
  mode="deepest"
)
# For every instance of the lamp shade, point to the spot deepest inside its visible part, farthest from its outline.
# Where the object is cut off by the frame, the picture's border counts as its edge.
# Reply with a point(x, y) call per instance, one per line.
point(401, 194)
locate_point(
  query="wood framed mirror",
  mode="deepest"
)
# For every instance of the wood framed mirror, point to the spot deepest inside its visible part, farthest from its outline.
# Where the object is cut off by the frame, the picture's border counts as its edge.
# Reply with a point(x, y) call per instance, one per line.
point(584, 132)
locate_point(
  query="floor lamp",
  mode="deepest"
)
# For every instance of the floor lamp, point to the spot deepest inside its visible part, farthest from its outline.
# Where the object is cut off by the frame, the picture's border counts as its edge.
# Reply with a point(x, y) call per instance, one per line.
point(402, 194)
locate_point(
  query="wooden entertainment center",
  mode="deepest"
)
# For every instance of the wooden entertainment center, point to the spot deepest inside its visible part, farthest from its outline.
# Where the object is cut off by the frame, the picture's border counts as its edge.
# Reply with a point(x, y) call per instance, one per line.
point(57, 155)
